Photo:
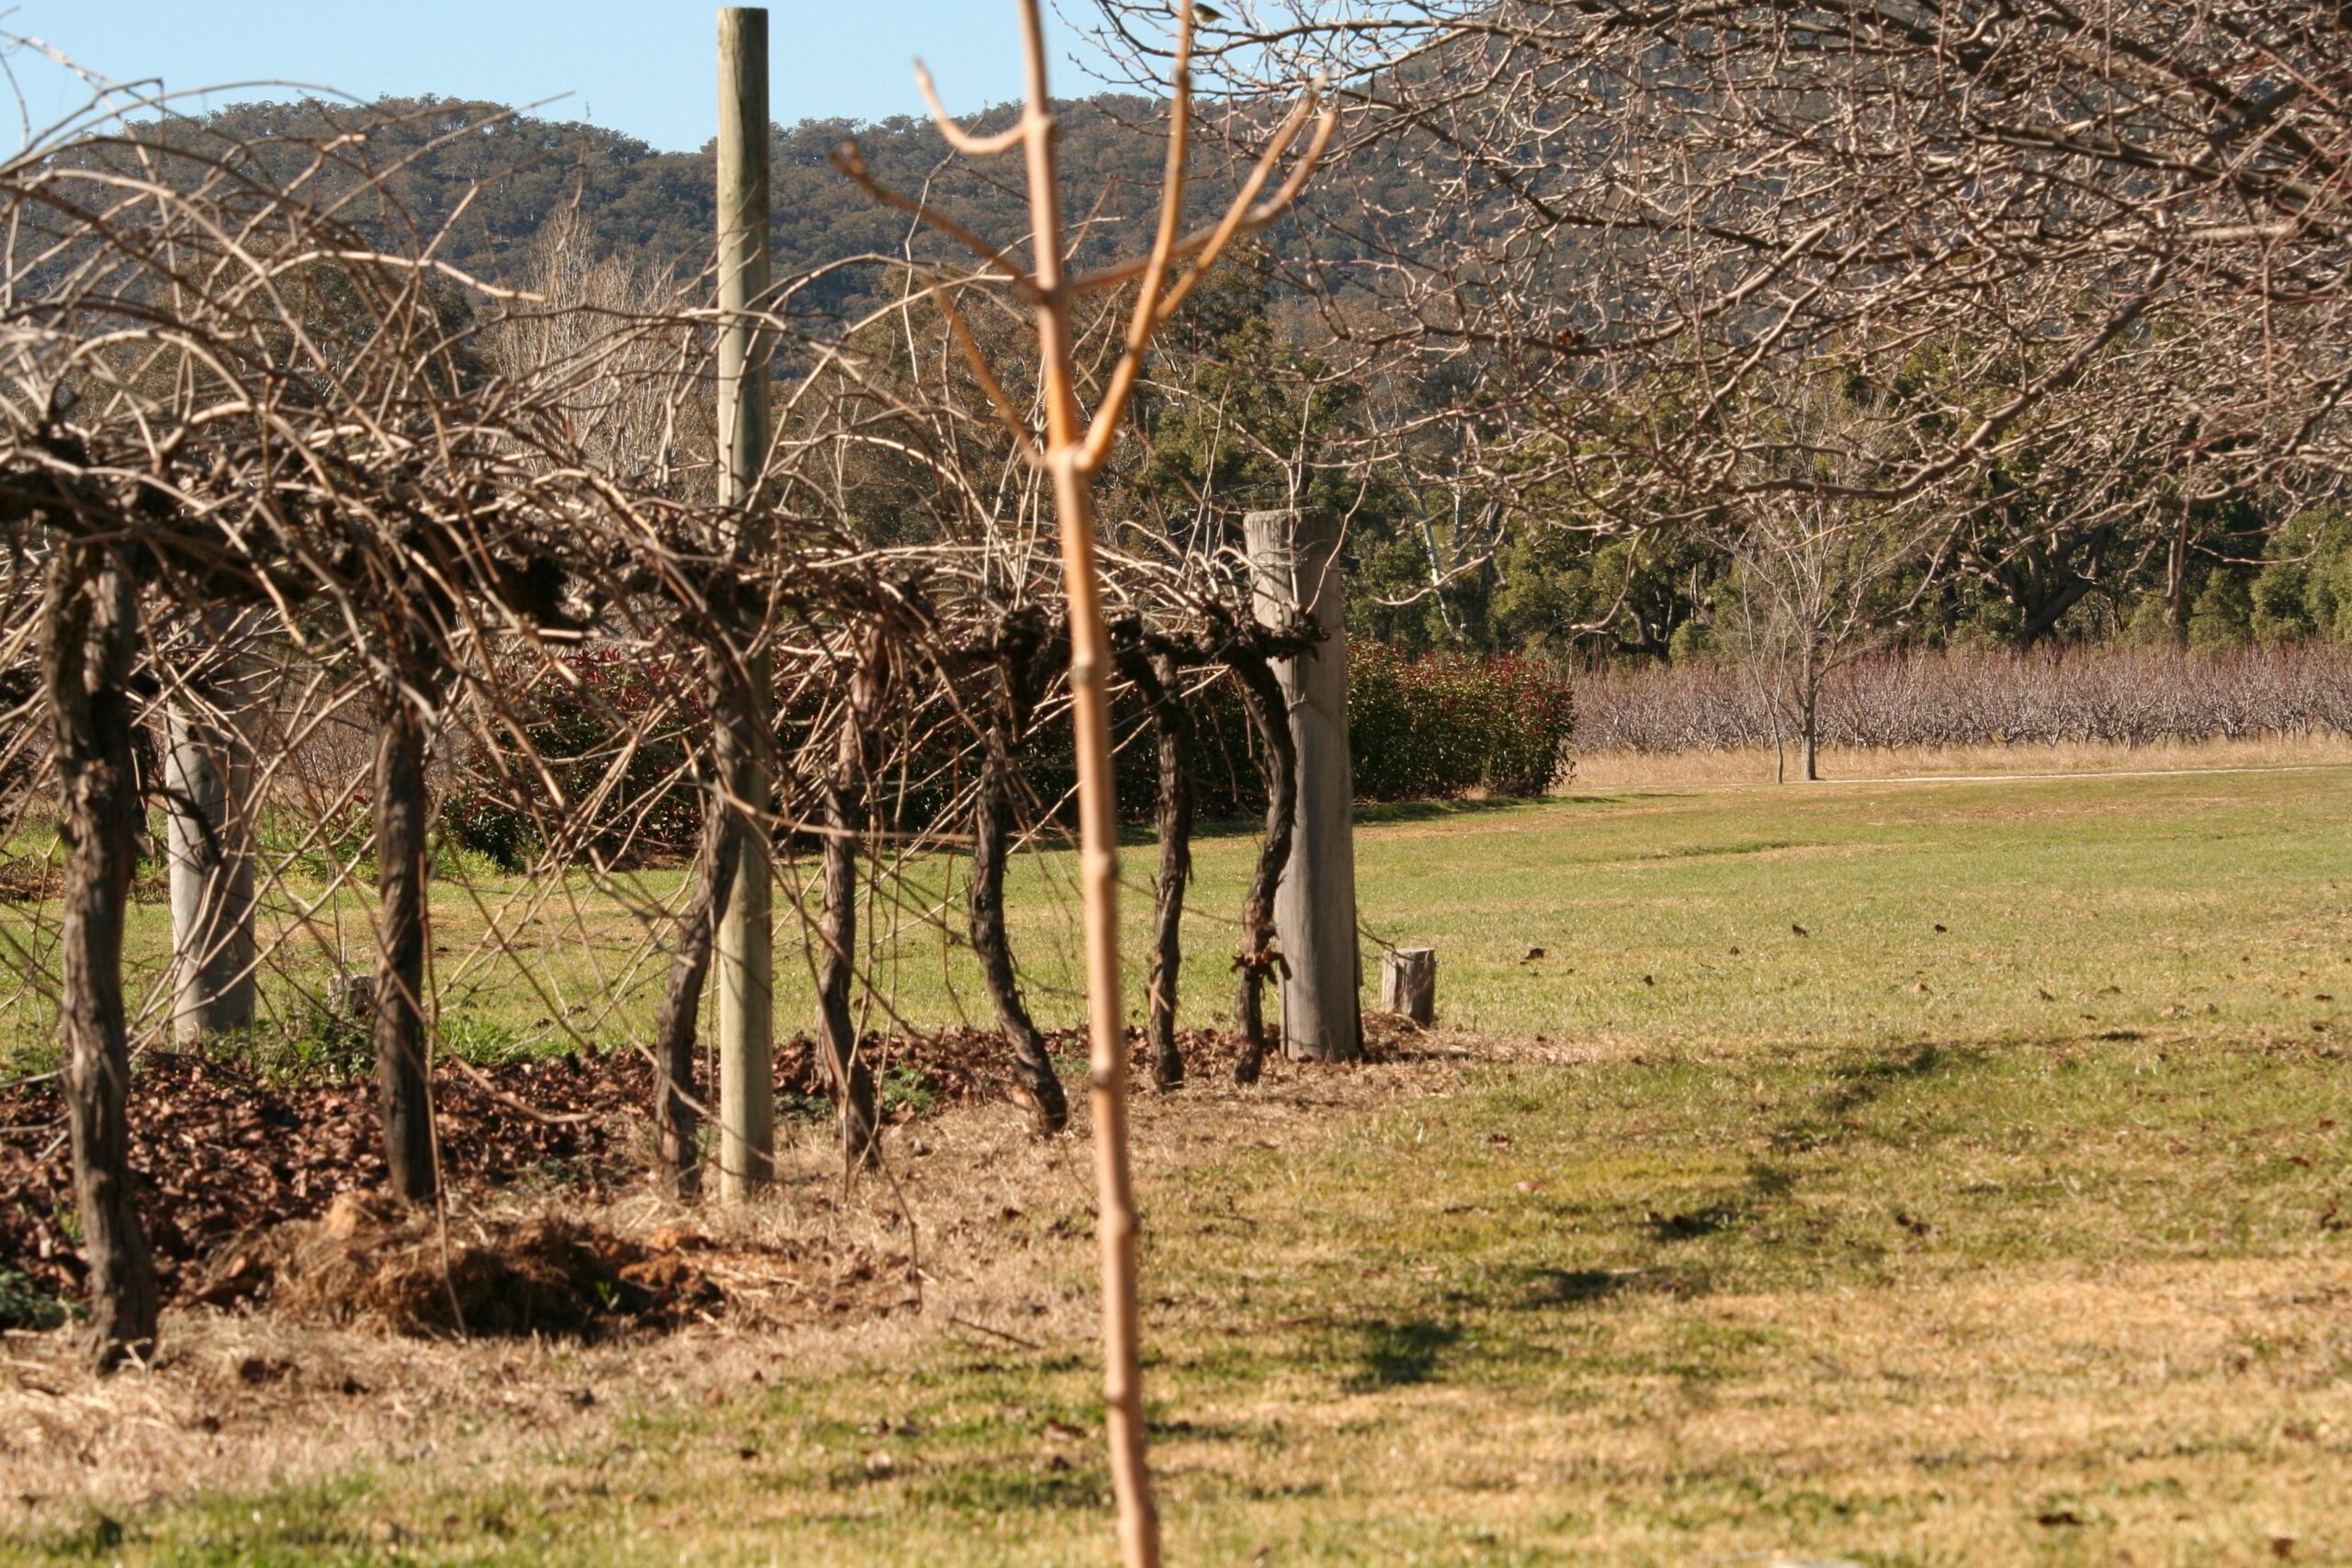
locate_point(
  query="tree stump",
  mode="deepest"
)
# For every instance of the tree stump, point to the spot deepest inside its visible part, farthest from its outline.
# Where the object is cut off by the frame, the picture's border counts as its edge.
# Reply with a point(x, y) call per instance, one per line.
point(1408, 984)
point(351, 999)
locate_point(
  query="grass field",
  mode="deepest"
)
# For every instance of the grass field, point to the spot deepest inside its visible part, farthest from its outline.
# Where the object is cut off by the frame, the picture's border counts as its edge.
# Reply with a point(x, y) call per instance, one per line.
point(1637, 897)
point(1933, 1173)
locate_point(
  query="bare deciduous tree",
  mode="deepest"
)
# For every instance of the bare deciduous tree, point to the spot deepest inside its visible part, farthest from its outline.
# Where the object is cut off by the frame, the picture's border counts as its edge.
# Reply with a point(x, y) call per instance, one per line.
point(1075, 445)
point(2106, 239)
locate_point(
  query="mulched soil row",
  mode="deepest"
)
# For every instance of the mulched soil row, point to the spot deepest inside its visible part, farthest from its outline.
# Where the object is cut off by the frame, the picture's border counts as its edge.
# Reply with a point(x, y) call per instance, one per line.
point(220, 1151)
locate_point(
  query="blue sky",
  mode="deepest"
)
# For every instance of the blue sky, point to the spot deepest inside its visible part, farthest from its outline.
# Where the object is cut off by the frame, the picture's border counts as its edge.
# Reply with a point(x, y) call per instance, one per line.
point(645, 68)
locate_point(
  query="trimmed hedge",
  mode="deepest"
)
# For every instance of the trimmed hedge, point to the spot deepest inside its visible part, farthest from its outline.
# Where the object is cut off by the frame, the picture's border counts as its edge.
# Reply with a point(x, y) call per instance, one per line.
point(1421, 730)
point(1448, 725)
point(614, 709)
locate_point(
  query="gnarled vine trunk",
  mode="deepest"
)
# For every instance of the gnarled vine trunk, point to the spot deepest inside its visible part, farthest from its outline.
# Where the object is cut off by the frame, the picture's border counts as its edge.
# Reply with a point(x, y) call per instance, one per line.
point(403, 929)
point(677, 1168)
point(1040, 1085)
point(1261, 695)
point(1155, 676)
point(845, 810)
point(92, 617)
point(1021, 640)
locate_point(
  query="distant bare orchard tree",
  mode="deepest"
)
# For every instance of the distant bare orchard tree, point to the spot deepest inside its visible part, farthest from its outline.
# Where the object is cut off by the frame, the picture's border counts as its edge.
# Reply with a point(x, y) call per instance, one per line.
point(2110, 238)
point(1823, 571)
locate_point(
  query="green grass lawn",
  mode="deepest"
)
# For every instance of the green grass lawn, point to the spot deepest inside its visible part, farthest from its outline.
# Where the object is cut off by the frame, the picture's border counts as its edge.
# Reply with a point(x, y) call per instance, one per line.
point(1667, 917)
point(2003, 1214)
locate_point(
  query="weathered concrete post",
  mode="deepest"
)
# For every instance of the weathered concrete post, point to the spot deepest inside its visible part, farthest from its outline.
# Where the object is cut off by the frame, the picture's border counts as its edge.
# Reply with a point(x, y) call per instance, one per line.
point(746, 938)
point(1295, 559)
point(208, 783)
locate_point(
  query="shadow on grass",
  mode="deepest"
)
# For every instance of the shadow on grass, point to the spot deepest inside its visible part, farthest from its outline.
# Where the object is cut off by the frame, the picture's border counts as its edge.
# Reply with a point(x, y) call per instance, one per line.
point(1856, 1083)
point(1736, 1210)
point(1374, 814)
point(1368, 814)
point(1861, 1082)
point(1399, 1355)
point(1708, 1219)
point(1542, 1288)
point(1371, 814)
point(1010, 1487)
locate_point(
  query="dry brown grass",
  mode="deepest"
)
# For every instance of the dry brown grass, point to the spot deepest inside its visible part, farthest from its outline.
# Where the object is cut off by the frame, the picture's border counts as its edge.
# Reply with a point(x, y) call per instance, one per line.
point(1757, 764)
point(2186, 1413)
point(817, 1280)
point(2175, 1411)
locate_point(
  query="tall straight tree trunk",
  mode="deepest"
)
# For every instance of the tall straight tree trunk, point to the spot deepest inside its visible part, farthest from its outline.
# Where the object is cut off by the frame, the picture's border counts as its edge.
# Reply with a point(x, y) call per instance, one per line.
point(677, 1169)
point(92, 618)
point(1812, 737)
point(1261, 695)
point(403, 925)
point(2176, 577)
point(1155, 676)
point(991, 844)
point(846, 1068)
point(209, 781)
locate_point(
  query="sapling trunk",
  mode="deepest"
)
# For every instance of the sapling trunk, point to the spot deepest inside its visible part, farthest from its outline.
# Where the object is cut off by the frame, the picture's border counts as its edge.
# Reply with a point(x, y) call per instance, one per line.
point(1074, 448)
point(1106, 1069)
point(403, 927)
point(92, 623)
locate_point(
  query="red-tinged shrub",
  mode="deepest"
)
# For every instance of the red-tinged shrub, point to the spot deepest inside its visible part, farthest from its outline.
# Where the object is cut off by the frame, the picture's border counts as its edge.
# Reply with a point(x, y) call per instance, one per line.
point(612, 732)
point(611, 729)
point(1448, 725)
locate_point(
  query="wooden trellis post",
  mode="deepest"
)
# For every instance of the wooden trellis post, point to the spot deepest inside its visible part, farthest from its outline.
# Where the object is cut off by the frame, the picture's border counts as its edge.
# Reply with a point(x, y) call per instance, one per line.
point(1295, 558)
point(746, 936)
point(209, 784)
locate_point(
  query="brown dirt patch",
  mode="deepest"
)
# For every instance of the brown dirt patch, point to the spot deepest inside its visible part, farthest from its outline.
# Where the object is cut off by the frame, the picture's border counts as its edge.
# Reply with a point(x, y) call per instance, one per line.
point(369, 1264)
point(224, 1156)
point(220, 1152)
point(981, 1234)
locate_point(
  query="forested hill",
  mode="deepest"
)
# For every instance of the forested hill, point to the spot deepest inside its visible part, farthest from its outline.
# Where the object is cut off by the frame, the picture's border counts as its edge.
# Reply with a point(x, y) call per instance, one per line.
point(657, 207)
